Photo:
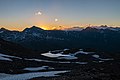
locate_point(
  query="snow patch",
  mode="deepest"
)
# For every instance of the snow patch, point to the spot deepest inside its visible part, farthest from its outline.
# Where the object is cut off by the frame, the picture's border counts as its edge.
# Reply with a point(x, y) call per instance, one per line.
point(82, 52)
point(38, 68)
point(7, 57)
point(3, 57)
point(68, 57)
point(2, 75)
point(65, 49)
point(81, 62)
point(95, 56)
point(107, 59)
point(54, 55)
point(27, 76)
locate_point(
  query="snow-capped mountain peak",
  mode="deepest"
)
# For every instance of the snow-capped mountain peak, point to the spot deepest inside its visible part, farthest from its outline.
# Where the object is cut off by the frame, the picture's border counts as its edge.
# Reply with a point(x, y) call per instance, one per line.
point(74, 29)
point(104, 27)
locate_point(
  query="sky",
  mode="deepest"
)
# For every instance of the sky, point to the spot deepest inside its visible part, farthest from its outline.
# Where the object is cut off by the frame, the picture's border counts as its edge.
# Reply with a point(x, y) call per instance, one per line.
point(49, 14)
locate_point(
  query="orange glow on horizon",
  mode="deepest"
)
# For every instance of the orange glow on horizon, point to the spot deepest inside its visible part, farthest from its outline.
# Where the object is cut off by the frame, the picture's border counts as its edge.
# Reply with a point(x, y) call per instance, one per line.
point(49, 27)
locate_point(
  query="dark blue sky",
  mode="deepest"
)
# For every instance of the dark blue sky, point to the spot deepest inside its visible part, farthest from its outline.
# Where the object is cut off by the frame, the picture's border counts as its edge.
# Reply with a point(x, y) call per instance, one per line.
point(18, 14)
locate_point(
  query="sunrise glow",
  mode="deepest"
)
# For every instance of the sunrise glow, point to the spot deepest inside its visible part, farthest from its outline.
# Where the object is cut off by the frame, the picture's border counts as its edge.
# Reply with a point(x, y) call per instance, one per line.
point(56, 13)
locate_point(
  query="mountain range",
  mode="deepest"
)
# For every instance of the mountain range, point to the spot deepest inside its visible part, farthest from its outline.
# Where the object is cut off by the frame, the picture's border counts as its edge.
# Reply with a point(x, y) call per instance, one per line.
point(102, 38)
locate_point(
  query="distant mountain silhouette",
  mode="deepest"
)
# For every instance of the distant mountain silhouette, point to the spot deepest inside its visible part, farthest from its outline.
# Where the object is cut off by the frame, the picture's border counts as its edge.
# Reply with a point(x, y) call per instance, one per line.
point(35, 38)
point(33, 29)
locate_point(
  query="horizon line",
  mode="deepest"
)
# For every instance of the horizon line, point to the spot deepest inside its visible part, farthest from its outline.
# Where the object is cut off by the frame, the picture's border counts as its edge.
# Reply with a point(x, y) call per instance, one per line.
point(57, 28)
